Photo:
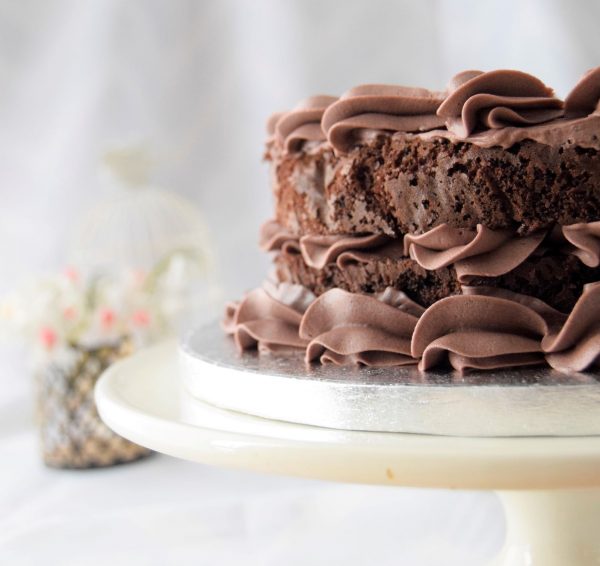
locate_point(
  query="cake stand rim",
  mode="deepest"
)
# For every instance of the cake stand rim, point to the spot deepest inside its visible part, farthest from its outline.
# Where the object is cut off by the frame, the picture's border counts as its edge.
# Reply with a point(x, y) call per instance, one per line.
point(362, 457)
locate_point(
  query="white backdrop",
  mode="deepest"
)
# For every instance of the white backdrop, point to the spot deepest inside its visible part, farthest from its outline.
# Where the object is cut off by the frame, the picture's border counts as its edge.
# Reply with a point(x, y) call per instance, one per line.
point(195, 80)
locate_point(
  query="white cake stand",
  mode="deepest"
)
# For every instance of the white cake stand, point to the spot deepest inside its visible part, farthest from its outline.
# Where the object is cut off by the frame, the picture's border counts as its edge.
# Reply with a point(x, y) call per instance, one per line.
point(550, 486)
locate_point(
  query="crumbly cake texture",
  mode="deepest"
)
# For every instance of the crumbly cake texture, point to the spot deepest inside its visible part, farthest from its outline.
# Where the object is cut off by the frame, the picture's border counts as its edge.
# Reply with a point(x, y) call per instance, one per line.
point(399, 184)
point(457, 228)
point(557, 280)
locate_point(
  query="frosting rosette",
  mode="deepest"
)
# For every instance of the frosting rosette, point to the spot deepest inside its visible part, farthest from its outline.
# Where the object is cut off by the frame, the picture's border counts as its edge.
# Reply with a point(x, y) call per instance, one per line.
point(484, 328)
point(272, 123)
point(553, 317)
point(576, 345)
point(368, 109)
point(301, 124)
point(274, 237)
point(345, 328)
point(584, 99)
point(497, 99)
point(583, 241)
point(268, 318)
point(320, 250)
point(479, 332)
point(480, 253)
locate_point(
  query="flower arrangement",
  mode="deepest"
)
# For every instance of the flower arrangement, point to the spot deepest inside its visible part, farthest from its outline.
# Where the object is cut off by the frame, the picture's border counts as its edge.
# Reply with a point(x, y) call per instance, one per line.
point(144, 269)
point(58, 311)
point(77, 326)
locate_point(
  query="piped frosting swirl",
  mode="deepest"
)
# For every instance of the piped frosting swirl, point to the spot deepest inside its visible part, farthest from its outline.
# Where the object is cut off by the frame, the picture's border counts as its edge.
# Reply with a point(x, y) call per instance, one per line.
point(473, 253)
point(302, 123)
point(497, 99)
point(584, 99)
point(342, 249)
point(584, 240)
point(483, 253)
point(368, 109)
point(268, 318)
point(494, 108)
point(345, 328)
point(576, 345)
point(274, 237)
point(483, 328)
point(478, 332)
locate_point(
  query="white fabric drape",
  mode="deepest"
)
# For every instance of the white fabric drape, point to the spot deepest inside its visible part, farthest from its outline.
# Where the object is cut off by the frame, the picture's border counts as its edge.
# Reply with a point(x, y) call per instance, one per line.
point(195, 80)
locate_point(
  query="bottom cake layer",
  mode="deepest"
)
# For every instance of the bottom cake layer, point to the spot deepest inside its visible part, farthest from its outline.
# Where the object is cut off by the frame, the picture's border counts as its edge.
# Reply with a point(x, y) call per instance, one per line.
point(556, 279)
point(481, 328)
point(551, 265)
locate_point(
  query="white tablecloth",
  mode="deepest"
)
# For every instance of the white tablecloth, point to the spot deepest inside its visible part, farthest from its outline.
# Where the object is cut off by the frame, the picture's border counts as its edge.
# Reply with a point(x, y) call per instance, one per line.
point(164, 511)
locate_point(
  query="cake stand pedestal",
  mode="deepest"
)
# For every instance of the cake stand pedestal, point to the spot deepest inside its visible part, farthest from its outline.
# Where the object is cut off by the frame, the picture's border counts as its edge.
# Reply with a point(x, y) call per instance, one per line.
point(550, 486)
point(551, 528)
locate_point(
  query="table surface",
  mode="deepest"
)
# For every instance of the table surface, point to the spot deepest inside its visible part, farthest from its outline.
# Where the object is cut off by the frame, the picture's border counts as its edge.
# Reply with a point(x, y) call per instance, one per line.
point(142, 399)
point(167, 511)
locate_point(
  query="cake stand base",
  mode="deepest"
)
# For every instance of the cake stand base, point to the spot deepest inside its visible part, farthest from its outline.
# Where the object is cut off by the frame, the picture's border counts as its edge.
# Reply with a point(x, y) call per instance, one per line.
point(550, 485)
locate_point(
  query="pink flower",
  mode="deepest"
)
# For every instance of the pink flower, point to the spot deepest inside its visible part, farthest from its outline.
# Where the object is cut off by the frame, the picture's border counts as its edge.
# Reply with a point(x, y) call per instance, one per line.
point(72, 274)
point(107, 318)
point(139, 277)
point(70, 313)
point(141, 317)
point(48, 337)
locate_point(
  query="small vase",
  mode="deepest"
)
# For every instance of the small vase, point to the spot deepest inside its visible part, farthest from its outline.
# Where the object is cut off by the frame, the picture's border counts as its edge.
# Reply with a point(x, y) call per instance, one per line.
point(72, 433)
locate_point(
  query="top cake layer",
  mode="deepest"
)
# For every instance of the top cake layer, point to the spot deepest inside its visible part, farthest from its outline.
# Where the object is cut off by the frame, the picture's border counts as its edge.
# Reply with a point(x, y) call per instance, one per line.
point(495, 148)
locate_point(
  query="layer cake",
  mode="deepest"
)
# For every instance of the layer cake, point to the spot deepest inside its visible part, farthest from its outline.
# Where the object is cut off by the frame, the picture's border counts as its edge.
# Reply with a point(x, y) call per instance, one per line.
point(457, 228)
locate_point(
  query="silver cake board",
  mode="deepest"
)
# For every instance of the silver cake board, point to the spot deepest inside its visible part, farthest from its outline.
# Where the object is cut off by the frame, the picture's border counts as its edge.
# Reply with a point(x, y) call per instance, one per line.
point(533, 401)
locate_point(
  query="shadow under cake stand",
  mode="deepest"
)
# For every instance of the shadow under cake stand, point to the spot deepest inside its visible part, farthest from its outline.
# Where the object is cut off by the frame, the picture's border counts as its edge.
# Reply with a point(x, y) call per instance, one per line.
point(533, 435)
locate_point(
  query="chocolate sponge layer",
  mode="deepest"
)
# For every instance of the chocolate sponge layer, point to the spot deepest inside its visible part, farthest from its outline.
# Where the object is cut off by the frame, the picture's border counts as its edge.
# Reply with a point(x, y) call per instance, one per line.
point(556, 279)
point(398, 184)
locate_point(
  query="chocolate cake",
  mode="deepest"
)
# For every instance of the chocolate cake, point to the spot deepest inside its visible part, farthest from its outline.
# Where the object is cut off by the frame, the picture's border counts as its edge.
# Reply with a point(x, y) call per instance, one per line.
point(457, 228)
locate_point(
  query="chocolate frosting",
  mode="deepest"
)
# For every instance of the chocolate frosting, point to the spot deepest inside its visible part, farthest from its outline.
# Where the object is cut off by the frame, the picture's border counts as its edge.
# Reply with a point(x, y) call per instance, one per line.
point(484, 328)
point(576, 345)
point(268, 318)
point(570, 343)
point(302, 123)
point(473, 253)
point(480, 332)
point(297, 297)
point(399, 300)
point(496, 99)
point(318, 251)
point(367, 109)
point(273, 236)
point(584, 99)
point(553, 317)
point(345, 328)
point(496, 108)
point(480, 253)
point(581, 132)
point(584, 240)
point(272, 122)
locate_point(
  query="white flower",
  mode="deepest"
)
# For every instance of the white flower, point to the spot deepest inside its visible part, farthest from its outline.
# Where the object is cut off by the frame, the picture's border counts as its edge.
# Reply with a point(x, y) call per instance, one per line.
point(54, 312)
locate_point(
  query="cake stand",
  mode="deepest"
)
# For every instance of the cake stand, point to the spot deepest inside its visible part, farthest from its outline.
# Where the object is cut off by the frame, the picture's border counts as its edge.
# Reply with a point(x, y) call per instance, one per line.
point(550, 485)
